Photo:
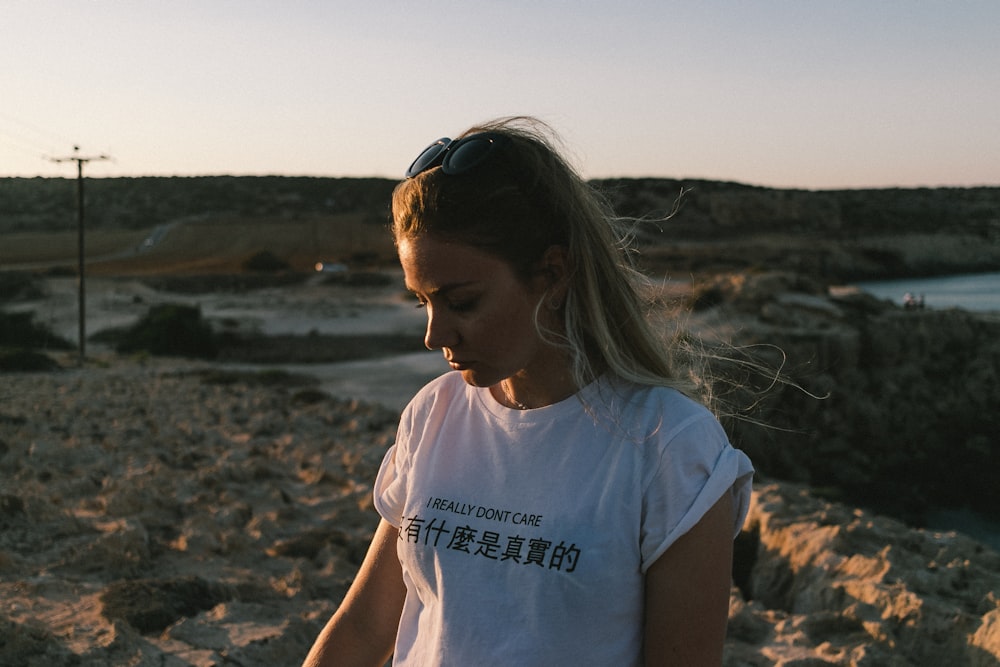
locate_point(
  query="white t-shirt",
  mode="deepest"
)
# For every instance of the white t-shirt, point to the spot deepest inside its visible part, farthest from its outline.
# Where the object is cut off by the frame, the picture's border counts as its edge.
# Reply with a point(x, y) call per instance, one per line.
point(525, 535)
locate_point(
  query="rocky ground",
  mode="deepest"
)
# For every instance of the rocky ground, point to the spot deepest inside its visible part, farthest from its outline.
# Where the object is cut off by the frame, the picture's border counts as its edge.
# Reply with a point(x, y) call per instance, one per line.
point(825, 584)
point(172, 514)
point(176, 513)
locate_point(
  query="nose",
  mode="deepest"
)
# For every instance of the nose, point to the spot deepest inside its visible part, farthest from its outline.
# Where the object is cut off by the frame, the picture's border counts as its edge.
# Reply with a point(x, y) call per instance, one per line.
point(440, 331)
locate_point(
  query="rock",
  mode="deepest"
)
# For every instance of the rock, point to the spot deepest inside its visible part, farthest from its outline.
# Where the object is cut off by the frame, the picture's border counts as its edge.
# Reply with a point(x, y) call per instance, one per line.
point(151, 605)
point(846, 587)
point(31, 644)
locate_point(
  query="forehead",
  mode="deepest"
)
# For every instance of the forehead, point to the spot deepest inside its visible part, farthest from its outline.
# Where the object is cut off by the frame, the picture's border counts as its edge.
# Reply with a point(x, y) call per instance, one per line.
point(430, 264)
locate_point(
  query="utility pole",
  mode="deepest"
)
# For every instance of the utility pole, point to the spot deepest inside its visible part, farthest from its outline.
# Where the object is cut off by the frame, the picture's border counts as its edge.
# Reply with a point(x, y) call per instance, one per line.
point(81, 289)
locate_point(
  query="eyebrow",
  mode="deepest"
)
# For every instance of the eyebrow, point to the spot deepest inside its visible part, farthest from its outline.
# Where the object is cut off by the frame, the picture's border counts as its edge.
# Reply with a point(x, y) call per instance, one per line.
point(443, 290)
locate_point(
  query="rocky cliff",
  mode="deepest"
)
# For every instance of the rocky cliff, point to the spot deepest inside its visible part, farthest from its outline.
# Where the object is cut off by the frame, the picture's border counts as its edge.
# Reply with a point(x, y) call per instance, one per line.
point(892, 409)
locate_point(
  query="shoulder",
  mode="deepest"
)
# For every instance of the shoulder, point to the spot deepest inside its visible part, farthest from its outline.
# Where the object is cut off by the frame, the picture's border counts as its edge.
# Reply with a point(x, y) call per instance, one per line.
point(442, 389)
point(666, 398)
point(435, 398)
point(445, 385)
point(669, 410)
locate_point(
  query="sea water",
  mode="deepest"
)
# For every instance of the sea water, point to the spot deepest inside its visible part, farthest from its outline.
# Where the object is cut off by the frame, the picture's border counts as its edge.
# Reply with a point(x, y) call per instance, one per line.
point(973, 291)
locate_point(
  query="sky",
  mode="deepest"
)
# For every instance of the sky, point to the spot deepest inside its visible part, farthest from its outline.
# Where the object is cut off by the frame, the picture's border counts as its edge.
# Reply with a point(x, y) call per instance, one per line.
point(813, 94)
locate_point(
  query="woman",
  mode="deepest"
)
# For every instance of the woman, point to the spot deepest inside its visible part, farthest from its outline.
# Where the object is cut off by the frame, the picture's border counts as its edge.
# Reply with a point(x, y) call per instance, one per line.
point(557, 499)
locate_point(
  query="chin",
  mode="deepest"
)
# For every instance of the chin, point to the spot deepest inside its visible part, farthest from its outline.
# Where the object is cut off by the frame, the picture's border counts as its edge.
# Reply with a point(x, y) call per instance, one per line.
point(478, 379)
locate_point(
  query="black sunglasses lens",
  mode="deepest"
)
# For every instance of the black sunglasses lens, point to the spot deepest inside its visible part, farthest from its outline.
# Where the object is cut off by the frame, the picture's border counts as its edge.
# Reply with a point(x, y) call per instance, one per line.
point(466, 154)
point(429, 157)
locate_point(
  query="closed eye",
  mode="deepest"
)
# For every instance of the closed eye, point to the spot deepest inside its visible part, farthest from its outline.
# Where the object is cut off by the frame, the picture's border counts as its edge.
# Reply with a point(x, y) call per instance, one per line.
point(456, 307)
point(452, 297)
point(462, 306)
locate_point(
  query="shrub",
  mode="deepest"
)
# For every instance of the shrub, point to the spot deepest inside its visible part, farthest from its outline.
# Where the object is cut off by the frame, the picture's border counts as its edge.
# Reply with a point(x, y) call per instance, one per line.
point(20, 285)
point(171, 330)
point(25, 361)
point(265, 261)
point(19, 330)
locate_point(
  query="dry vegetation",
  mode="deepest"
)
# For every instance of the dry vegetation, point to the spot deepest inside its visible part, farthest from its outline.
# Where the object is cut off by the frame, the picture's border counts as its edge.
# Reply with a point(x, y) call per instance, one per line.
point(217, 223)
point(217, 245)
point(60, 247)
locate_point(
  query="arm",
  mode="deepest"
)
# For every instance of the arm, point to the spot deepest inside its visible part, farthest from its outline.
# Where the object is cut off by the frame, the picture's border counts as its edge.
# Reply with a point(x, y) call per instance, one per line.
point(687, 593)
point(363, 629)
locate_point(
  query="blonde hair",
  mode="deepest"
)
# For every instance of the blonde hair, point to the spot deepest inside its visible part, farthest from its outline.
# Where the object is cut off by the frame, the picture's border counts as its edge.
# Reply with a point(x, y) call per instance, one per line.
point(527, 198)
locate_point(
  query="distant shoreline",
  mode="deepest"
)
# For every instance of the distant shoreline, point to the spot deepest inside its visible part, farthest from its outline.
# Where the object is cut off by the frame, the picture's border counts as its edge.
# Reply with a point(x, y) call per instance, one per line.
point(978, 292)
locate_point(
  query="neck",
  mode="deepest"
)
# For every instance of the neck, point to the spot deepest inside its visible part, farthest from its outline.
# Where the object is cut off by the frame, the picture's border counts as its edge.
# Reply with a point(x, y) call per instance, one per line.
point(520, 393)
point(507, 398)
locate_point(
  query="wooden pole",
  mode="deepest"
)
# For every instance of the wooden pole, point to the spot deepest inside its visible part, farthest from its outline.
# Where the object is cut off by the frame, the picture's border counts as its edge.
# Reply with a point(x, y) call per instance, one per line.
point(81, 262)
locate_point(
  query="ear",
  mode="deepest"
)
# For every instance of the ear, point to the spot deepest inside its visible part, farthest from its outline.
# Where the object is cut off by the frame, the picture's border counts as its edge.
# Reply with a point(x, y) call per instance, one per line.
point(553, 274)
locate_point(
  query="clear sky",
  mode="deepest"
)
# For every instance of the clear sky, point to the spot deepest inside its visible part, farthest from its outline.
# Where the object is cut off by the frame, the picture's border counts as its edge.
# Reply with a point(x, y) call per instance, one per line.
point(792, 93)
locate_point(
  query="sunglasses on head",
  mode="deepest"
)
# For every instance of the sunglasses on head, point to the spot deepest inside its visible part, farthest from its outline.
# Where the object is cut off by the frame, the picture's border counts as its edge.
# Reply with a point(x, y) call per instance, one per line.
point(456, 156)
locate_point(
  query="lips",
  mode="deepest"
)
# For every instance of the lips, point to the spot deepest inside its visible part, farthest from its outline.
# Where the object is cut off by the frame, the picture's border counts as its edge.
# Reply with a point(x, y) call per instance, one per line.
point(458, 365)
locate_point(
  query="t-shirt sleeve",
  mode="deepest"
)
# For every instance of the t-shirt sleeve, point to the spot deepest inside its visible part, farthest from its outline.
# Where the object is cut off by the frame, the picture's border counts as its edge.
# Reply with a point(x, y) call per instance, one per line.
point(389, 495)
point(696, 467)
point(392, 483)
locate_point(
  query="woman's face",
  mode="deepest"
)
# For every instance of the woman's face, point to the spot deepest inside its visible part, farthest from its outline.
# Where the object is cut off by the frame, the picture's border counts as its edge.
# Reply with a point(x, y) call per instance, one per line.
point(479, 314)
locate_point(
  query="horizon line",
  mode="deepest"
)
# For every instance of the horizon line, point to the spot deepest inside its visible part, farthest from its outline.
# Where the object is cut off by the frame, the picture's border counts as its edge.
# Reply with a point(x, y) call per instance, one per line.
point(701, 179)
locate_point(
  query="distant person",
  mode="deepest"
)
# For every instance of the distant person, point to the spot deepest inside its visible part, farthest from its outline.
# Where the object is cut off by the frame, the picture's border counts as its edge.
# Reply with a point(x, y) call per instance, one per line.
point(558, 499)
point(912, 302)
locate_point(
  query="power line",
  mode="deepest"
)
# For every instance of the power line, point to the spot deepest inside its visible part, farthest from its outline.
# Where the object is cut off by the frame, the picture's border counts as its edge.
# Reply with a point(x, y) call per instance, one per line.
point(20, 145)
point(50, 138)
point(28, 138)
point(23, 146)
point(80, 161)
